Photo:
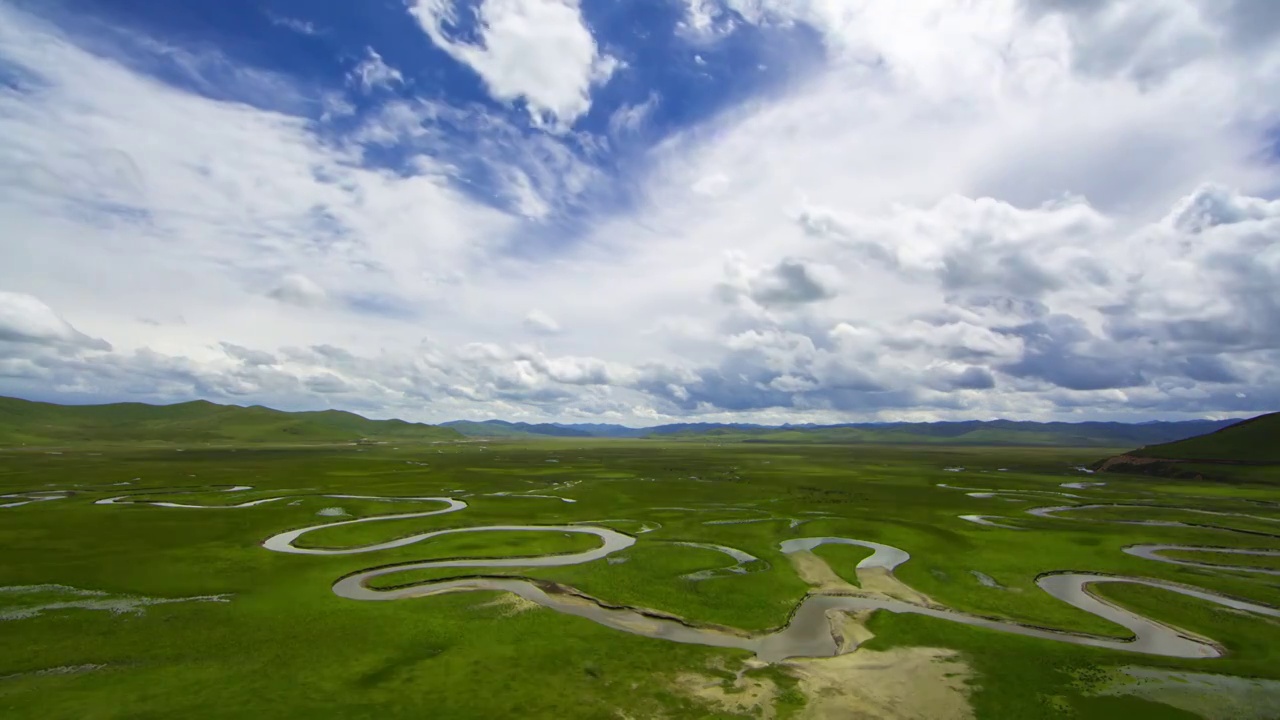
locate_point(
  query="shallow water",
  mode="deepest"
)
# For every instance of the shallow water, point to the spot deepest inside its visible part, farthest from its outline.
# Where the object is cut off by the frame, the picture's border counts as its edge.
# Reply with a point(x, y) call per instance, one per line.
point(986, 580)
point(1056, 512)
point(27, 498)
point(740, 557)
point(987, 520)
point(1152, 552)
point(354, 585)
point(886, 557)
point(808, 634)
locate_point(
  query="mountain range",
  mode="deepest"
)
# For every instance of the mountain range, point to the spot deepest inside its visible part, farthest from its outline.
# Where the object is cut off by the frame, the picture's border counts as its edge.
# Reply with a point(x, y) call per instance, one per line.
point(972, 432)
point(24, 422)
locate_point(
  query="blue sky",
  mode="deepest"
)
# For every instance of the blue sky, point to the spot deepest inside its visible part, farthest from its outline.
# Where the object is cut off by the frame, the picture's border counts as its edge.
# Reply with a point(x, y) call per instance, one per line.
point(757, 210)
point(360, 57)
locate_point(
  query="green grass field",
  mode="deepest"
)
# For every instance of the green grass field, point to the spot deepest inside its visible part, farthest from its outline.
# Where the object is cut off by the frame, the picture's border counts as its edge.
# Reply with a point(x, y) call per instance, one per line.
point(1252, 441)
point(250, 632)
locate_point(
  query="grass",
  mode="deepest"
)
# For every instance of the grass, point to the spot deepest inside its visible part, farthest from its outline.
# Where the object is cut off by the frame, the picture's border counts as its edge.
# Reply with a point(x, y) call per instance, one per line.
point(1252, 441)
point(843, 559)
point(1268, 562)
point(1245, 524)
point(285, 646)
point(23, 422)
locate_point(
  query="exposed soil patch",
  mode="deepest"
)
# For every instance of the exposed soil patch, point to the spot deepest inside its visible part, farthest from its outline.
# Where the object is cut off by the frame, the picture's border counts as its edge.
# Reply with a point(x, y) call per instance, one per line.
point(882, 582)
point(1118, 461)
point(510, 604)
point(816, 572)
point(752, 697)
point(900, 684)
point(850, 629)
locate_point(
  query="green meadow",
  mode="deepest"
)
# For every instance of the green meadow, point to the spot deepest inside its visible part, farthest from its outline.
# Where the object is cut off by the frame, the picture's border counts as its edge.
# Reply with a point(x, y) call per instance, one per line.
point(133, 610)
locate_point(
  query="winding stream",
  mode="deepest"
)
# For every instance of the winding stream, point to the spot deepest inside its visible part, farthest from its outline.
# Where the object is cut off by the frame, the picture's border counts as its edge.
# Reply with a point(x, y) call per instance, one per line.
point(809, 633)
point(989, 521)
point(741, 560)
point(26, 498)
point(1152, 552)
point(1056, 511)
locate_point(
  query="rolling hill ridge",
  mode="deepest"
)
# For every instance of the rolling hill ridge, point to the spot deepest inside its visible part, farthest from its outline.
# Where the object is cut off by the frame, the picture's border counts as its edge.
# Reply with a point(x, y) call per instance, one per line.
point(975, 432)
point(23, 422)
point(1250, 445)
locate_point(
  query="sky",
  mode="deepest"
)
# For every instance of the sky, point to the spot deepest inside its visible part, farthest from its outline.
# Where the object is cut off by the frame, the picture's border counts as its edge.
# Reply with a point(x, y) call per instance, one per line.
point(644, 211)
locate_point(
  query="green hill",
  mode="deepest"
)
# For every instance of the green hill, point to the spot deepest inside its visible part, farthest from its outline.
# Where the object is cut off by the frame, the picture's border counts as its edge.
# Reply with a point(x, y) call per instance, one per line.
point(1245, 451)
point(23, 422)
point(1251, 441)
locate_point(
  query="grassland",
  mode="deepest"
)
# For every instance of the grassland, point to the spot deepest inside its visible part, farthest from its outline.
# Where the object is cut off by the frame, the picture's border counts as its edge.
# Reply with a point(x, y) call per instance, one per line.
point(1268, 562)
point(281, 644)
point(1252, 441)
point(43, 424)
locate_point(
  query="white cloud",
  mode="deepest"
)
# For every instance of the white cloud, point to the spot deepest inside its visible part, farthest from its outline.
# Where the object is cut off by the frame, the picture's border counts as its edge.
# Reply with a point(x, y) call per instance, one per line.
point(540, 323)
point(534, 175)
point(791, 282)
point(981, 222)
point(103, 170)
point(373, 72)
point(631, 118)
point(711, 186)
point(299, 290)
point(25, 319)
point(705, 21)
point(538, 51)
point(302, 27)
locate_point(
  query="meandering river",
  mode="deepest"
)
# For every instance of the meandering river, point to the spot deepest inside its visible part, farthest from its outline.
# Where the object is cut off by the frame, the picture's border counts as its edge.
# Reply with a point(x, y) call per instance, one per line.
point(809, 633)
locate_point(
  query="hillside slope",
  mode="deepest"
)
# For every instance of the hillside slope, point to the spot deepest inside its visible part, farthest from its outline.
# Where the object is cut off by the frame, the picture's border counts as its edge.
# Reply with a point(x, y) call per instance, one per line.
point(1250, 448)
point(23, 422)
point(1250, 441)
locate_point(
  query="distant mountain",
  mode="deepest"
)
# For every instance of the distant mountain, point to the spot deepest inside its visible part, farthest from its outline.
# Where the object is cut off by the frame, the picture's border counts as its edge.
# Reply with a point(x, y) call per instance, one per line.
point(993, 432)
point(605, 430)
point(1254, 442)
point(502, 429)
point(974, 432)
point(23, 422)
point(711, 429)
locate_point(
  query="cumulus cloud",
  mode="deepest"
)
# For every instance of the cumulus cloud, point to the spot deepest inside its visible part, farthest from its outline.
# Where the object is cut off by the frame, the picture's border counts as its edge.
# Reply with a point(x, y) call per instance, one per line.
point(705, 20)
point(968, 209)
point(538, 51)
point(25, 319)
point(327, 384)
point(793, 282)
point(1213, 205)
point(790, 282)
point(1150, 39)
point(248, 356)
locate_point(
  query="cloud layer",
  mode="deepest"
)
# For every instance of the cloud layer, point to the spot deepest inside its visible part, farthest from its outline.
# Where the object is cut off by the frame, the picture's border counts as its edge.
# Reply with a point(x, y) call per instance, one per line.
point(1028, 209)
